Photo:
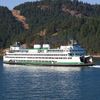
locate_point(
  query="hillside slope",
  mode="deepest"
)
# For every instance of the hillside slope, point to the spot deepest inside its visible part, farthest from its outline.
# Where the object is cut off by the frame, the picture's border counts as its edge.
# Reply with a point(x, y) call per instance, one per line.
point(10, 28)
point(69, 19)
point(54, 22)
point(20, 18)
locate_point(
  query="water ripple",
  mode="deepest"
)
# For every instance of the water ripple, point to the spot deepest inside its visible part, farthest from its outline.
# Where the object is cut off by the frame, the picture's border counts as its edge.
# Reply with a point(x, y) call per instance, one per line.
point(46, 83)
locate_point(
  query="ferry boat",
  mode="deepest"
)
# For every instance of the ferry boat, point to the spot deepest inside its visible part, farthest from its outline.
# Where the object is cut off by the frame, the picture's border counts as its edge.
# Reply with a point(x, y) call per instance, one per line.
point(68, 55)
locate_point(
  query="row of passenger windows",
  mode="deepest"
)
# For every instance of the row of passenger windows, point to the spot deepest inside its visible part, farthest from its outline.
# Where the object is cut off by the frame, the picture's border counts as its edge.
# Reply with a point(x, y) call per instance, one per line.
point(33, 61)
point(55, 50)
point(39, 54)
point(65, 51)
point(43, 57)
point(70, 54)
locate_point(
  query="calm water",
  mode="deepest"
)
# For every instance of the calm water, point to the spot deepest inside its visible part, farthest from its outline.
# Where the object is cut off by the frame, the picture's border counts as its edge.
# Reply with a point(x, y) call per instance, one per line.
point(49, 83)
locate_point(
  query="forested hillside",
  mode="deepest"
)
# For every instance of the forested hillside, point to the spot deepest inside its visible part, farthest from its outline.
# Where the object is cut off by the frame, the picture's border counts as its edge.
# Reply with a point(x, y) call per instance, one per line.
point(54, 22)
point(10, 28)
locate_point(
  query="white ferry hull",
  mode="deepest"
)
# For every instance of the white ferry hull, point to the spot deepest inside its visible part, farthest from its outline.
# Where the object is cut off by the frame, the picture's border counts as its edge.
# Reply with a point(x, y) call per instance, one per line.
point(49, 63)
point(72, 65)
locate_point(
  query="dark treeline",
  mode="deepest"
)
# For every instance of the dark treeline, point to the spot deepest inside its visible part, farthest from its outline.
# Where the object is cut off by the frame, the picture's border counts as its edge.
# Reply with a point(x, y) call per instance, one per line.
point(10, 28)
point(54, 22)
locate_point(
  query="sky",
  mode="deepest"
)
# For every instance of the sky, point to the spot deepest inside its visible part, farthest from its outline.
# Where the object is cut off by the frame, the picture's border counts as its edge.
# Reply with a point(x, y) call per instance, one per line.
point(12, 3)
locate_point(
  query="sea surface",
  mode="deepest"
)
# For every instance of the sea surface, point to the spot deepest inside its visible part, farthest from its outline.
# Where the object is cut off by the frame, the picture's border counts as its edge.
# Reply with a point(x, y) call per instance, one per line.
point(19, 82)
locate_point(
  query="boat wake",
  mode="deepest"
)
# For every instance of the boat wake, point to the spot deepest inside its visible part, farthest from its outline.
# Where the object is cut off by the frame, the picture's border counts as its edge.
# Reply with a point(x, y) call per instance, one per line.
point(96, 66)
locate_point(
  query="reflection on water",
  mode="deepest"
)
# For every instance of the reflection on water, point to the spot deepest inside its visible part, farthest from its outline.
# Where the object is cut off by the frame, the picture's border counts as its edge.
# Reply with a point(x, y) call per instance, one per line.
point(40, 68)
point(40, 83)
point(19, 82)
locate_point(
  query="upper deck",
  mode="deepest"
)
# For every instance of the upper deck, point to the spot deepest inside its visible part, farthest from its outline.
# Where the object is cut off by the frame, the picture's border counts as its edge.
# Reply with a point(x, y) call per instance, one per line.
point(71, 50)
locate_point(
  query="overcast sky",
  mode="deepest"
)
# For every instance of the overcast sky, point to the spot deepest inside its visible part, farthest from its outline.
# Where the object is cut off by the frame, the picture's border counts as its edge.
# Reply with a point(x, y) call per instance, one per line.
point(12, 3)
